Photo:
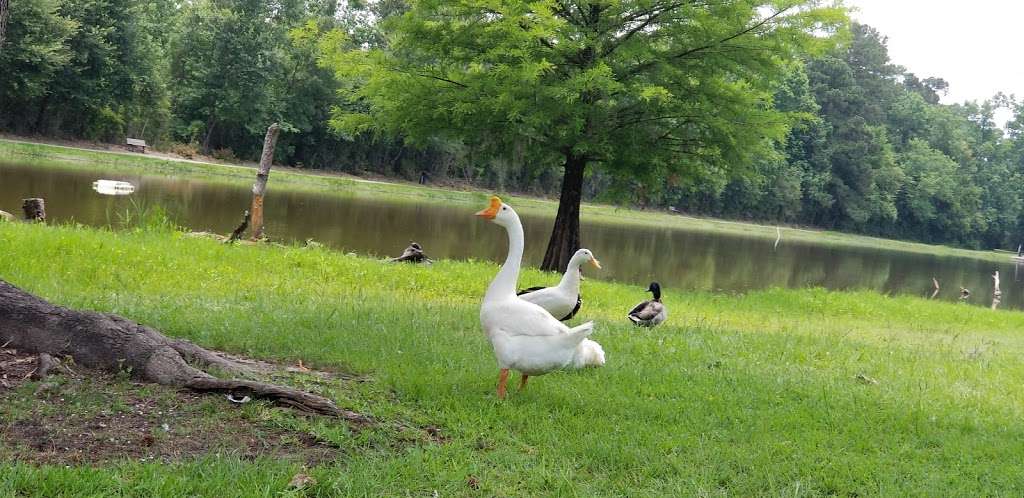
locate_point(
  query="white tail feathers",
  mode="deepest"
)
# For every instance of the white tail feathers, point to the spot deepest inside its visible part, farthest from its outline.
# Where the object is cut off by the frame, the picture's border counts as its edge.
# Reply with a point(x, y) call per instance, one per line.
point(588, 354)
point(578, 333)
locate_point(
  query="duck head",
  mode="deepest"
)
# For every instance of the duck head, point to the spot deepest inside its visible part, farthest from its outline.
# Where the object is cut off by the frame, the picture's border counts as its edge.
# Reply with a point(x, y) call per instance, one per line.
point(498, 212)
point(584, 256)
point(655, 289)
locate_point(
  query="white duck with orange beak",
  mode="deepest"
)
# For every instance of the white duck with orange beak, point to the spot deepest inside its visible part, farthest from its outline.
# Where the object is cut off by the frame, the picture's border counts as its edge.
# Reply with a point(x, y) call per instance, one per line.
point(563, 301)
point(524, 335)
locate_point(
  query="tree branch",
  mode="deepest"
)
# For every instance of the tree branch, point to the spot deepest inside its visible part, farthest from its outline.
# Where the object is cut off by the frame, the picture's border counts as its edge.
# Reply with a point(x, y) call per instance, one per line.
point(652, 15)
point(686, 53)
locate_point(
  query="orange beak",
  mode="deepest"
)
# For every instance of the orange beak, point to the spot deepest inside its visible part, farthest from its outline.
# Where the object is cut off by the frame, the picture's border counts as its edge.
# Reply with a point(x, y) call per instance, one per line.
point(492, 210)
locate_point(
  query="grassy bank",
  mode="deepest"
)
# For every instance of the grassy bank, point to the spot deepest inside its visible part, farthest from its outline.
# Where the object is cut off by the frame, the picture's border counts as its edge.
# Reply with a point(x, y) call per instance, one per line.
point(777, 392)
point(287, 178)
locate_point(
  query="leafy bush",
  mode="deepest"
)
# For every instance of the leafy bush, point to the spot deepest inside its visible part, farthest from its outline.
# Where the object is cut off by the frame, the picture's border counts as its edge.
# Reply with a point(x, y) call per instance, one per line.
point(224, 154)
point(188, 151)
point(106, 125)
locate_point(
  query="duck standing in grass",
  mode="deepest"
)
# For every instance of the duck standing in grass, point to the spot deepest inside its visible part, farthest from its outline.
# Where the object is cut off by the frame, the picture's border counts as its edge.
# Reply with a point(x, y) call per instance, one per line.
point(525, 337)
point(649, 313)
point(412, 254)
point(564, 299)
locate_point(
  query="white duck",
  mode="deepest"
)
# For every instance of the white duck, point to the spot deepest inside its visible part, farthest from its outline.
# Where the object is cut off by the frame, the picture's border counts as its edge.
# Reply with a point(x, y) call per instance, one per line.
point(525, 336)
point(564, 299)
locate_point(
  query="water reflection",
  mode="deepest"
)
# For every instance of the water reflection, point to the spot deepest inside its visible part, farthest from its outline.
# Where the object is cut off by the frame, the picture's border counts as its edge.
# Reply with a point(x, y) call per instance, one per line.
point(679, 259)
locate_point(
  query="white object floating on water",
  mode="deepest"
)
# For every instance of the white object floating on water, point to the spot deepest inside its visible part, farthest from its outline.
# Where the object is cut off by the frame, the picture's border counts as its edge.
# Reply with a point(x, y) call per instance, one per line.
point(113, 187)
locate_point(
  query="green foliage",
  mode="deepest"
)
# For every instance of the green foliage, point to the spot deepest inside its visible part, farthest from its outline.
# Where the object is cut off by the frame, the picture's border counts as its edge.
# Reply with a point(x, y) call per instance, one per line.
point(639, 87)
point(32, 56)
point(879, 155)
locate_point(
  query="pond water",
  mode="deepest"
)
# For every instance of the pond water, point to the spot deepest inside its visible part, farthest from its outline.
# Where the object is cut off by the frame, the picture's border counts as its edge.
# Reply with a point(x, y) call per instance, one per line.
point(678, 258)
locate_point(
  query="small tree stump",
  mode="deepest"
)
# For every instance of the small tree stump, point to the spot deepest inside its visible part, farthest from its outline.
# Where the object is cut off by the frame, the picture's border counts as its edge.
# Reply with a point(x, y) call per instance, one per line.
point(34, 208)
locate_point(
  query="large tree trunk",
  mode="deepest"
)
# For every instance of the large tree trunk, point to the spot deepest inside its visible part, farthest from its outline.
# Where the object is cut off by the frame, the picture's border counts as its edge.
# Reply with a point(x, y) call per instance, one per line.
point(112, 343)
point(565, 236)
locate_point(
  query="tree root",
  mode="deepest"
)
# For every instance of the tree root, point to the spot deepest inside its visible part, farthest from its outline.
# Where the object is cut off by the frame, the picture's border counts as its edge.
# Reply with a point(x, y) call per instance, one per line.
point(112, 343)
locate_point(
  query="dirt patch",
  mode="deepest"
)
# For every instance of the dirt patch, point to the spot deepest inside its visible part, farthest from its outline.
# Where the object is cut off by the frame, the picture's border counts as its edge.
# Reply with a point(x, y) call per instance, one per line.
point(149, 433)
point(93, 417)
point(15, 368)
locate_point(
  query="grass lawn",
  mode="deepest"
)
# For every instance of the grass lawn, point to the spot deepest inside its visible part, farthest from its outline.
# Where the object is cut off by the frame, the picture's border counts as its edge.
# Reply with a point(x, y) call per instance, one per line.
point(777, 392)
point(44, 155)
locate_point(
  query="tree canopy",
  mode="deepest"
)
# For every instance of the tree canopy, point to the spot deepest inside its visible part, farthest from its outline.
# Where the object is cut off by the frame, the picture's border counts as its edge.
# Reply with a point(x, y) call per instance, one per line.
point(641, 88)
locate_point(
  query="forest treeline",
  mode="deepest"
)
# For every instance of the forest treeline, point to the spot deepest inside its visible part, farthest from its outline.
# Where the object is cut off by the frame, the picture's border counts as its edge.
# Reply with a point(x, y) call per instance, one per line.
point(868, 147)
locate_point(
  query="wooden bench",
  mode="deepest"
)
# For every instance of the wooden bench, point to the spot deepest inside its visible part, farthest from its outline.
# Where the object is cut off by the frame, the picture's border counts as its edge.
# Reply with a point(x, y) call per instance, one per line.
point(136, 145)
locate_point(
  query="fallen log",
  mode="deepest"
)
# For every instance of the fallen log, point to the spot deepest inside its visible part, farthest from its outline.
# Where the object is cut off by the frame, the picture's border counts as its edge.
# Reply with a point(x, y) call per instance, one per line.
point(112, 343)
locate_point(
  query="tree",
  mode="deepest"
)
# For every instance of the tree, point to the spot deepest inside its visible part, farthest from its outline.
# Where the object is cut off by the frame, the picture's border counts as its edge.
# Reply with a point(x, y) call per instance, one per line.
point(32, 57)
point(639, 87)
point(223, 63)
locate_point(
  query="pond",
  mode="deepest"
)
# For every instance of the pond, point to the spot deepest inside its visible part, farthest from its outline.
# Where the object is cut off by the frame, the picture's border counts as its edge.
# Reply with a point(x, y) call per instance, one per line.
point(679, 258)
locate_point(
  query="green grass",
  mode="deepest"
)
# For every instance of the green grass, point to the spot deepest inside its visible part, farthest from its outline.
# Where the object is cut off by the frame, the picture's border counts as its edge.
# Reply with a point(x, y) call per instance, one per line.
point(43, 155)
point(737, 395)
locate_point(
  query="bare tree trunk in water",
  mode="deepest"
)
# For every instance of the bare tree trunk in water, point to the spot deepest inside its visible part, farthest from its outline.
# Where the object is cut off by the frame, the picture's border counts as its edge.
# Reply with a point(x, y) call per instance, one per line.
point(565, 236)
point(115, 344)
point(260, 187)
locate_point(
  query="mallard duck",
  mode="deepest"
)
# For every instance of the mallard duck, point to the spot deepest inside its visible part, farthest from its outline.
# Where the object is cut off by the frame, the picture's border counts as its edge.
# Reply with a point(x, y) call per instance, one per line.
point(564, 299)
point(412, 254)
point(649, 313)
point(525, 337)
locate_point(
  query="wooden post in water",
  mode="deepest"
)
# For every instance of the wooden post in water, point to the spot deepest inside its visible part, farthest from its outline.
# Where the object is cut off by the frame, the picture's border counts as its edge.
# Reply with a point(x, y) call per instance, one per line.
point(34, 208)
point(935, 282)
point(260, 187)
point(997, 295)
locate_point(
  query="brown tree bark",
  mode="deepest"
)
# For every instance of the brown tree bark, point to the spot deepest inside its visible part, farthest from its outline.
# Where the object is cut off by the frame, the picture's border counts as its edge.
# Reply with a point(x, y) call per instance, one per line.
point(565, 236)
point(112, 343)
point(260, 187)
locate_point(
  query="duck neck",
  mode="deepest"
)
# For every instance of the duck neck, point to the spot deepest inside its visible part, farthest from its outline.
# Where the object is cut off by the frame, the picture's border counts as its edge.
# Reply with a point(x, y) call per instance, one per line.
point(504, 285)
point(571, 279)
